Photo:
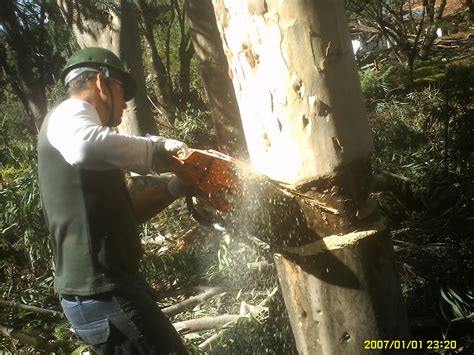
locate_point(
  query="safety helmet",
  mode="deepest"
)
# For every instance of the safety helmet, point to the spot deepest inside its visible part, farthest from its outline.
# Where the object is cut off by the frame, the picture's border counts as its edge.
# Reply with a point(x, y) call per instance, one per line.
point(99, 59)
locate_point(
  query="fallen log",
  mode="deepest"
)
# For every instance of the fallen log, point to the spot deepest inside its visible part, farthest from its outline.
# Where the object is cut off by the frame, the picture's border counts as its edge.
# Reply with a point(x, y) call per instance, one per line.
point(207, 344)
point(191, 302)
point(206, 323)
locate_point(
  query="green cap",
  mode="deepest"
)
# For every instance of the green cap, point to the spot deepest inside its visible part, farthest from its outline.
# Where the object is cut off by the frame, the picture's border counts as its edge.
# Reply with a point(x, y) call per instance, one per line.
point(96, 58)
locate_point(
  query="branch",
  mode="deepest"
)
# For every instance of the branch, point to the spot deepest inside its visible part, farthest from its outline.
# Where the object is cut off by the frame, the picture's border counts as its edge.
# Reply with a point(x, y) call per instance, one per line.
point(260, 266)
point(440, 11)
point(459, 322)
point(34, 340)
point(214, 338)
point(205, 345)
point(462, 319)
point(261, 244)
point(191, 302)
point(363, 28)
point(168, 50)
point(187, 291)
point(206, 323)
point(13, 304)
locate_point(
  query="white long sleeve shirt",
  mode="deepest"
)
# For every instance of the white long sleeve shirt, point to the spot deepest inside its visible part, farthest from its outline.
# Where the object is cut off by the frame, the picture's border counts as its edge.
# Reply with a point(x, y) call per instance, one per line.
point(75, 130)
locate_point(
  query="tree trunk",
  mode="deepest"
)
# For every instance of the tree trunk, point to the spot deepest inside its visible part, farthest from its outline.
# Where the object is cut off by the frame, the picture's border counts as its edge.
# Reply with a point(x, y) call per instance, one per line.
point(162, 86)
point(185, 51)
point(303, 115)
point(26, 82)
point(185, 56)
point(214, 72)
point(343, 291)
point(431, 35)
point(115, 29)
point(291, 82)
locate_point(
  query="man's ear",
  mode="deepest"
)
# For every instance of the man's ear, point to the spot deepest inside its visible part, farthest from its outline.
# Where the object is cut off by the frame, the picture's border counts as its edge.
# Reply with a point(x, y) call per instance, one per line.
point(100, 84)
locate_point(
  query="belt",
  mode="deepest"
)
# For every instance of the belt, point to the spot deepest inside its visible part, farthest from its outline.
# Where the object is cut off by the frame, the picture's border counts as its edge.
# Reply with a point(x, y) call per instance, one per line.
point(98, 297)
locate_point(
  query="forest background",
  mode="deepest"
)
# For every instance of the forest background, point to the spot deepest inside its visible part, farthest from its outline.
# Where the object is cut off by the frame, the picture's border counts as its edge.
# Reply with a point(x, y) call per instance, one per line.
point(416, 72)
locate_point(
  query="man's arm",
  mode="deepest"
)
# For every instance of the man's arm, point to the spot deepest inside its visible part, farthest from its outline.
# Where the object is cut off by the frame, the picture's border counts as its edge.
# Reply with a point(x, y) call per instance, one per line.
point(75, 131)
point(150, 195)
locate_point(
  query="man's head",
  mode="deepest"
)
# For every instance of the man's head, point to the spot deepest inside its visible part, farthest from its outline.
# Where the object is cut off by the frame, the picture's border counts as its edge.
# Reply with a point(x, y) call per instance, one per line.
point(96, 59)
point(100, 72)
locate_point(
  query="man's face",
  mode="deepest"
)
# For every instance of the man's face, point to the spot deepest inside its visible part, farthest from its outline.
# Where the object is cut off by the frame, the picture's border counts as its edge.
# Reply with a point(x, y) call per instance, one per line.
point(119, 103)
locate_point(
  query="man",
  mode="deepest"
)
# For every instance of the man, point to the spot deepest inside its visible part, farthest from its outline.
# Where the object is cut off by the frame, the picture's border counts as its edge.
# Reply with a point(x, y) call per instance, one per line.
point(92, 217)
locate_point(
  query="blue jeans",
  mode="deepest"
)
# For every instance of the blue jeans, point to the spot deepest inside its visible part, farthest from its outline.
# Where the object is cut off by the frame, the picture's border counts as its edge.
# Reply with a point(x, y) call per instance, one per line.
point(122, 322)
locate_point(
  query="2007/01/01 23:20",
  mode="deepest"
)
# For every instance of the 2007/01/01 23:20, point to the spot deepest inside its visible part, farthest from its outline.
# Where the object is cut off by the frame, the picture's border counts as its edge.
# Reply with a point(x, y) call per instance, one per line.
point(410, 344)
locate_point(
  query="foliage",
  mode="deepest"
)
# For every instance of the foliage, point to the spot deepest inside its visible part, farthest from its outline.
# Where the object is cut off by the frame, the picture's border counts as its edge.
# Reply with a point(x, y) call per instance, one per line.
point(172, 59)
point(21, 207)
point(32, 50)
point(423, 134)
point(194, 127)
point(456, 306)
point(374, 86)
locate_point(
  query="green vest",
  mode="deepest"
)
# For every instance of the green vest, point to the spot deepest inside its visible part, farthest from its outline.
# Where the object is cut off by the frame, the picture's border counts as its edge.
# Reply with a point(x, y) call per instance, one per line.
point(89, 214)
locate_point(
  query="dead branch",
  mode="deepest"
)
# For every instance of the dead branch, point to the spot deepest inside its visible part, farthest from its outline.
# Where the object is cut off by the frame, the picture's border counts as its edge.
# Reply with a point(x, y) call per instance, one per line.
point(207, 344)
point(462, 319)
point(13, 304)
point(422, 324)
point(191, 302)
point(268, 298)
point(206, 323)
point(261, 244)
point(186, 291)
point(260, 266)
point(33, 340)
point(357, 27)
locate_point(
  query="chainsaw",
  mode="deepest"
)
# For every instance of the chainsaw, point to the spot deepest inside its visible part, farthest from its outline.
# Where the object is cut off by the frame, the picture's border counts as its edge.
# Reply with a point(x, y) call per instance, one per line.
point(215, 182)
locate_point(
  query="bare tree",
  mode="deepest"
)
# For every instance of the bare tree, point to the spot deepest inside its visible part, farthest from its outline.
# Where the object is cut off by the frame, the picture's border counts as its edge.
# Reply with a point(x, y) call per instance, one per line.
point(405, 25)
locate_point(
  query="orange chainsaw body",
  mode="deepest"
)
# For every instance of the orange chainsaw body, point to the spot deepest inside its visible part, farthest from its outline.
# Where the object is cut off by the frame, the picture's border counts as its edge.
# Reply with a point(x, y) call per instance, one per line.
point(212, 175)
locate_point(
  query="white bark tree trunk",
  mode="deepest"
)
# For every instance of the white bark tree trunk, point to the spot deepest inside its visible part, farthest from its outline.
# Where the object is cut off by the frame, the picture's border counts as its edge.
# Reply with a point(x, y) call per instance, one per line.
point(297, 86)
point(303, 115)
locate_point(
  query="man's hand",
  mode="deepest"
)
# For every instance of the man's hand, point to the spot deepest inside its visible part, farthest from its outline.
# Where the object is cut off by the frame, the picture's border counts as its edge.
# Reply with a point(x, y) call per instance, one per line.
point(176, 148)
point(165, 149)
